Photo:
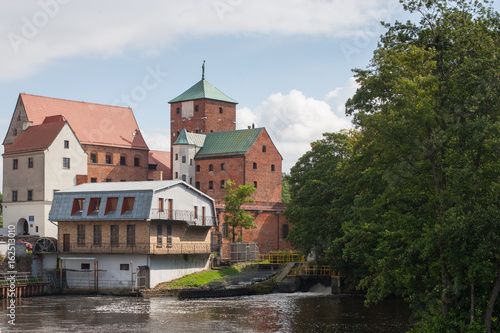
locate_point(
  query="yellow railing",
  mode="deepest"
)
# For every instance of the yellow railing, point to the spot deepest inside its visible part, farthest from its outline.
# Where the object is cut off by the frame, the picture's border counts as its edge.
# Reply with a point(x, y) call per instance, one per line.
point(281, 258)
point(304, 269)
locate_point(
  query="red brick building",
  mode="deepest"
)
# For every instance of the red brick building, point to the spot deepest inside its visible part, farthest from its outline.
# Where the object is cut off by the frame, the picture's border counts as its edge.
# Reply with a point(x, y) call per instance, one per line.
point(207, 151)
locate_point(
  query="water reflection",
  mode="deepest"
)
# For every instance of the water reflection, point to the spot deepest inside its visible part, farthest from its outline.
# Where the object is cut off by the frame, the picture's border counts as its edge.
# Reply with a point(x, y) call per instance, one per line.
point(299, 312)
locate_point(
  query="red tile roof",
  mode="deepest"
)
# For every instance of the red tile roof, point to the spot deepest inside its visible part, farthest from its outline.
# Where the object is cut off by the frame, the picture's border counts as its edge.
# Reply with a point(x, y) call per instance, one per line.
point(95, 124)
point(162, 161)
point(36, 138)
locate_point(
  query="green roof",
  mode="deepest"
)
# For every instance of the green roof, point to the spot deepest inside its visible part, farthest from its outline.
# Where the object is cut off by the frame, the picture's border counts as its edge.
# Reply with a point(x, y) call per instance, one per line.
point(228, 143)
point(203, 89)
point(186, 138)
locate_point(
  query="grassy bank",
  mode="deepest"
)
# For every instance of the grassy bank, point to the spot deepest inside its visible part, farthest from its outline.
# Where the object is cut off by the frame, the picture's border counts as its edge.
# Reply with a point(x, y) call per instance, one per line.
point(199, 279)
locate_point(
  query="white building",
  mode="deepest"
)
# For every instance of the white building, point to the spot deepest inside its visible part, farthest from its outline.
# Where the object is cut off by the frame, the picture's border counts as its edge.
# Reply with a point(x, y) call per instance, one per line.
point(115, 236)
point(43, 159)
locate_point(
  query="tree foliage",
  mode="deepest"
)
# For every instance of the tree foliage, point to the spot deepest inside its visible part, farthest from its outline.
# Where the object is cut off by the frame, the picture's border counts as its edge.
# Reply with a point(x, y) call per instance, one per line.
point(236, 217)
point(419, 197)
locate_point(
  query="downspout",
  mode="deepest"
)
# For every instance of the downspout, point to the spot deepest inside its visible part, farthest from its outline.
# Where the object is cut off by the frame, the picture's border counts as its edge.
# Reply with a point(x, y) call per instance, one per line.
point(278, 233)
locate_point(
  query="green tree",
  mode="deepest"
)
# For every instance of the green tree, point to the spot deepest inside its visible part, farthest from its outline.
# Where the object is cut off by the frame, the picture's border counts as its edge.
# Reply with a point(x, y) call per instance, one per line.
point(426, 185)
point(315, 188)
point(285, 188)
point(236, 217)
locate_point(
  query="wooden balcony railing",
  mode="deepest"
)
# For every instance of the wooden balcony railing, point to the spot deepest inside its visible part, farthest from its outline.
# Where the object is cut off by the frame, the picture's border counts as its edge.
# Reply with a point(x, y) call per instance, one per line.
point(139, 248)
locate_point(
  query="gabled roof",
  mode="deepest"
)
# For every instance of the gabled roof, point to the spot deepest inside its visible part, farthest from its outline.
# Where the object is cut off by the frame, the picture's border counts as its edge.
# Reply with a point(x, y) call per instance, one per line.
point(228, 143)
point(186, 138)
point(203, 89)
point(37, 138)
point(161, 159)
point(95, 124)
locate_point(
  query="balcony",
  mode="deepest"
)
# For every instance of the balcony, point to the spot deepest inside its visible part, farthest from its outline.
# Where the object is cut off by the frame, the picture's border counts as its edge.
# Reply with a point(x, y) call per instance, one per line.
point(183, 215)
point(140, 248)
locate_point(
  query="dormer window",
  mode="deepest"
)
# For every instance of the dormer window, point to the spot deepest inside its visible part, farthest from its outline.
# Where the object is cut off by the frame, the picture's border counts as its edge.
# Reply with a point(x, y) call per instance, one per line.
point(128, 204)
point(77, 205)
point(94, 205)
point(111, 204)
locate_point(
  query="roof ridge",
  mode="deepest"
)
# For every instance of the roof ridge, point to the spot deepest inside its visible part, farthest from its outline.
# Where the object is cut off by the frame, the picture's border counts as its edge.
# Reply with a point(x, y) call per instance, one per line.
point(73, 101)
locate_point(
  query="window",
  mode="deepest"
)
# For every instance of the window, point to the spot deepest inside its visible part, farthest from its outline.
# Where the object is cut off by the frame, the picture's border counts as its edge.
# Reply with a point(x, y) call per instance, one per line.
point(30, 162)
point(85, 266)
point(196, 108)
point(15, 164)
point(109, 159)
point(93, 180)
point(224, 230)
point(170, 209)
point(137, 161)
point(160, 204)
point(220, 110)
point(210, 185)
point(190, 181)
point(111, 205)
point(211, 167)
point(124, 267)
point(108, 180)
point(190, 161)
point(197, 185)
point(198, 168)
point(176, 157)
point(97, 235)
point(66, 144)
point(178, 110)
point(183, 159)
point(176, 175)
point(263, 149)
point(195, 212)
point(65, 162)
point(113, 235)
point(80, 234)
point(128, 204)
point(222, 183)
point(77, 205)
point(169, 235)
point(159, 235)
point(14, 195)
point(18, 117)
point(255, 184)
point(254, 165)
point(14, 131)
point(284, 230)
point(183, 178)
point(130, 234)
point(30, 195)
point(94, 205)
point(222, 166)
point(93, 158)
point(203, 215)
point(123, 160)
point(273, 168)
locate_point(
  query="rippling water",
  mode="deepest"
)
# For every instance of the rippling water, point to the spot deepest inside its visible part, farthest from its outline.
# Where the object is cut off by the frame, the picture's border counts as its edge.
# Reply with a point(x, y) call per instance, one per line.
point(299, 312)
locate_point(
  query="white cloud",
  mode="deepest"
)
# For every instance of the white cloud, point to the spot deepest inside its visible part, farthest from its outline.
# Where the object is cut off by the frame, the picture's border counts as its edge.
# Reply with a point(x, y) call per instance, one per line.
point(294, 120)
point(157, 141)
point(37, 32)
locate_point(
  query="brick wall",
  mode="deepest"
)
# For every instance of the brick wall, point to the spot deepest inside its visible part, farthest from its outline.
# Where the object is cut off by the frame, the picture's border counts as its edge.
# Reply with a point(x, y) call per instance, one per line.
point(206, 120)
point(114, 171)
point(233, 170)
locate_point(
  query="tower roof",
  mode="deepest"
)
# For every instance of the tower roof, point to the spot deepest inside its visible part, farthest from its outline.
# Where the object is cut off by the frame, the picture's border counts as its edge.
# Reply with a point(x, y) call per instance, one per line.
point(203, 89)
point(186, 138)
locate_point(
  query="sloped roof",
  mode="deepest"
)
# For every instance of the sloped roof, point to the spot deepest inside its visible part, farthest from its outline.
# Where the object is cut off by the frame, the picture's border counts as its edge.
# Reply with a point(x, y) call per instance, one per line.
point(37, 138)
point(162, 161)
point(228, 143)
point(122, 186)
point(203, 89)
point(92, 123)
point(186, 138)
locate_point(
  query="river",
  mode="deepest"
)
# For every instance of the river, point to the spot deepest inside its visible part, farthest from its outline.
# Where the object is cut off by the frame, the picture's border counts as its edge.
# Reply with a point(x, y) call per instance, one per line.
point(298, 312)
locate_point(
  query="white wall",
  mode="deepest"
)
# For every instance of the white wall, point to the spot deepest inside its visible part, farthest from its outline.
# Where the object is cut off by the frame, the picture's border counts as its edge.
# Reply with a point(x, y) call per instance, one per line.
point(15, 211)
point(164, 268)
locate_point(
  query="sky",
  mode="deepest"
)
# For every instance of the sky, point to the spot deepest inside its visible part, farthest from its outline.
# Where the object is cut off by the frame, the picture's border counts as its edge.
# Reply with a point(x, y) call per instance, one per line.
point(288, 63)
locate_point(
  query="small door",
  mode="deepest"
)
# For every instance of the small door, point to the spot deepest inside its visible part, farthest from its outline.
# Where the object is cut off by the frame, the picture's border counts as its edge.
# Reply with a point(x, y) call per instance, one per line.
point(66, 243)
point(143, 277)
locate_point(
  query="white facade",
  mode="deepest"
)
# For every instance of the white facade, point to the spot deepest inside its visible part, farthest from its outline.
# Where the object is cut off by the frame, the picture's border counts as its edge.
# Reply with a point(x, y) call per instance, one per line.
point(35, 183)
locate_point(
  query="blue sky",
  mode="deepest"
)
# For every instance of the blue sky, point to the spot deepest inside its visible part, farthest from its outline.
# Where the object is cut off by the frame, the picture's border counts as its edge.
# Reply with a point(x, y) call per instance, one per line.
point(287, 62)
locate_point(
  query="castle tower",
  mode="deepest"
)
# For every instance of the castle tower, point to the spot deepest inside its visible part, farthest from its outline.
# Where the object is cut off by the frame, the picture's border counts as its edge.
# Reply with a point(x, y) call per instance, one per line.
point(202, 109)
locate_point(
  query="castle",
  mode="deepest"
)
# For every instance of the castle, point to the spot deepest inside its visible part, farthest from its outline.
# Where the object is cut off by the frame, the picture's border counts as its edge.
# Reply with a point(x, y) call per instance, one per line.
point(53, 144)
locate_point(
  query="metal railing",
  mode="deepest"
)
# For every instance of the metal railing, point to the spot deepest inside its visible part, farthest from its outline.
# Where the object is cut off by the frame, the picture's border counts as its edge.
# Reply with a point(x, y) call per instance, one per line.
point(304, 269)
point(19, 278)
point(183, 215)
point(139, 248)
point(281, 258)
